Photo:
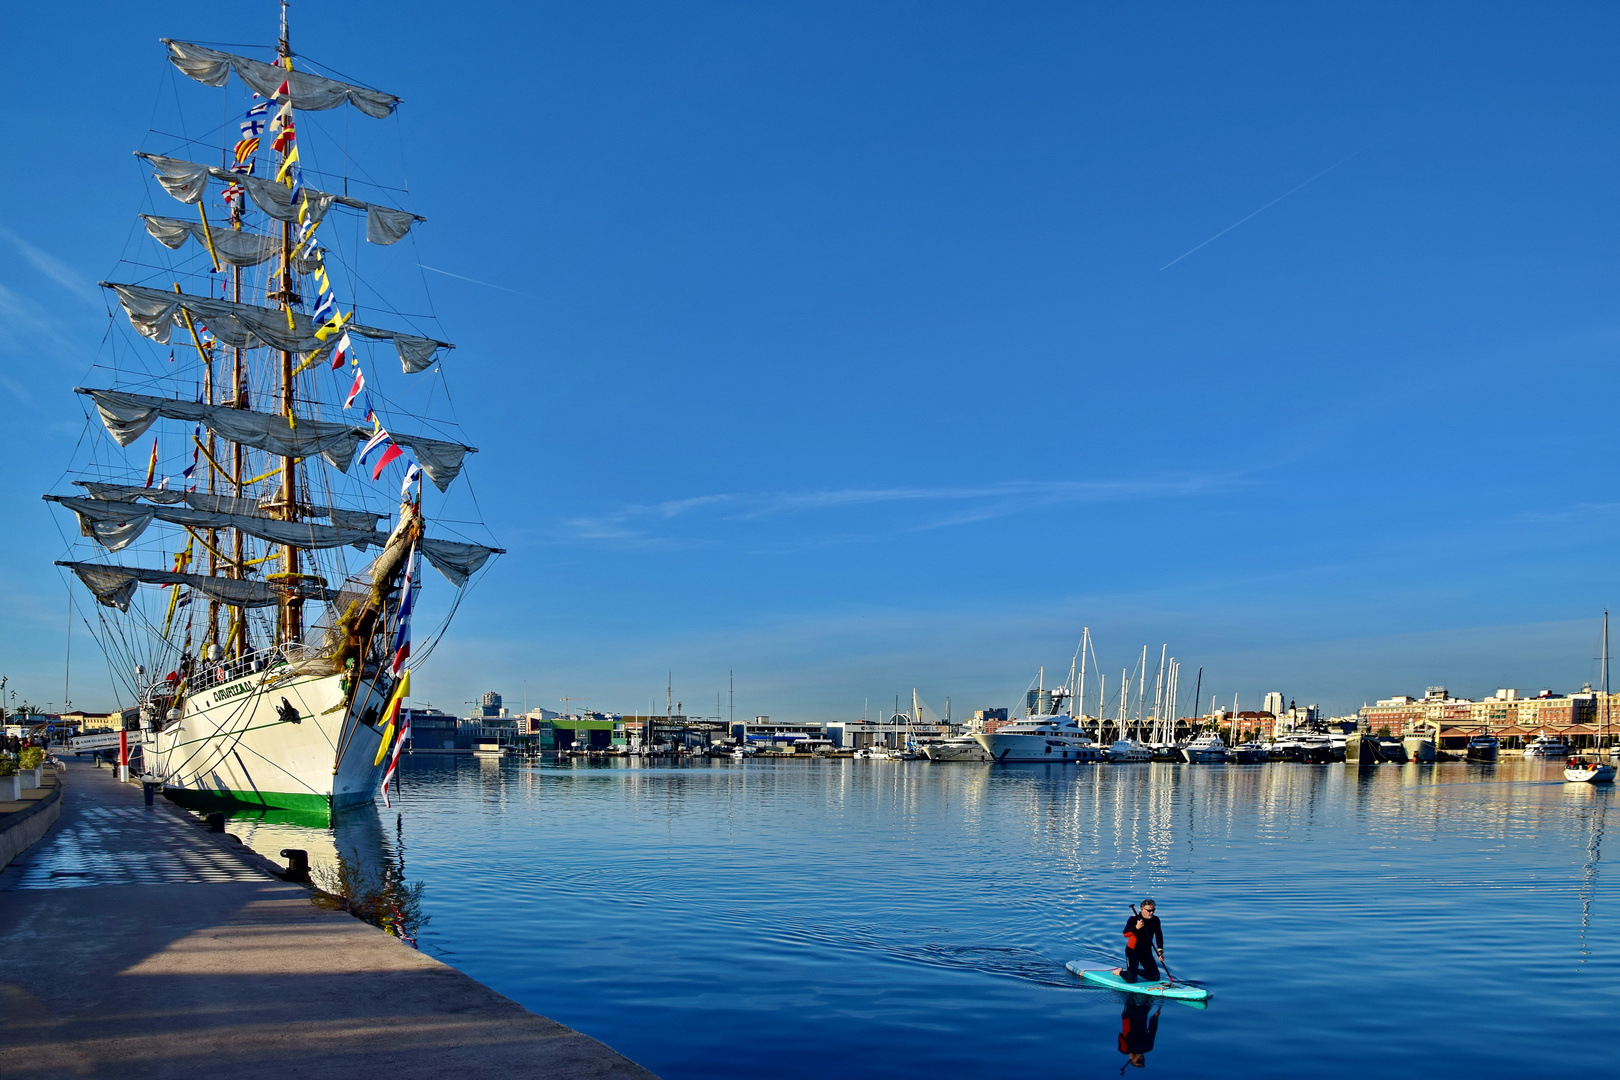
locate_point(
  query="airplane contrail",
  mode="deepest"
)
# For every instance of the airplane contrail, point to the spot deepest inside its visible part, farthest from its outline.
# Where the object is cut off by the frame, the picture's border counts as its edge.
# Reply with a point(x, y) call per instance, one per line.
point(1262, 210)
point(475, 281)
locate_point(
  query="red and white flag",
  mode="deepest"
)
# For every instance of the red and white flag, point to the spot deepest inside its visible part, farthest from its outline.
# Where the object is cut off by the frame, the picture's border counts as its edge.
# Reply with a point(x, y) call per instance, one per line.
point(344, 351)
point(354, 391)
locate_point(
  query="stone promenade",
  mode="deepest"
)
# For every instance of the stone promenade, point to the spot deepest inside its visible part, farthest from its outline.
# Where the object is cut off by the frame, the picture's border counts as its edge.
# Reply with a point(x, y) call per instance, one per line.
point(137, 944)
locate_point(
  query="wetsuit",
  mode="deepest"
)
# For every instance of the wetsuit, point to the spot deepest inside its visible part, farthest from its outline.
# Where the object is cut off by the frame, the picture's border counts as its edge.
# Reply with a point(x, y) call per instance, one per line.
point(1139, 957)
point(1137, 1029)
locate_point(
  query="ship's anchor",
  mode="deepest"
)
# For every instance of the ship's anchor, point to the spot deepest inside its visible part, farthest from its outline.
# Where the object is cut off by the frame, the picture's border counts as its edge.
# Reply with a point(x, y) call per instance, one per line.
point(287, 713)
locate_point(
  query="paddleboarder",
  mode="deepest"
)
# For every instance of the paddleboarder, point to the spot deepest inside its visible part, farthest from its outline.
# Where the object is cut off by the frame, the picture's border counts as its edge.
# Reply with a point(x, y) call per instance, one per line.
point(1143, 938)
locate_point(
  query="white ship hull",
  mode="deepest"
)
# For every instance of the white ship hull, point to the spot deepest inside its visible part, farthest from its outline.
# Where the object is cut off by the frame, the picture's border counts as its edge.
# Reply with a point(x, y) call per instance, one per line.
point(235, 743)
point(1023, 749)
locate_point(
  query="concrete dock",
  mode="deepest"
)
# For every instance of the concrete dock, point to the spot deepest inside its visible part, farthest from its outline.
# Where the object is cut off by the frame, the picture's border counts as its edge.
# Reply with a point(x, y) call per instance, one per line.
point(137, 944)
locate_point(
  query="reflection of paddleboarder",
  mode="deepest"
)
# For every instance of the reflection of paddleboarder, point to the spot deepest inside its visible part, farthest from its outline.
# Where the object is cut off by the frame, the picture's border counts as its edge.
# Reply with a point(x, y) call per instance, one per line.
point(1143, 938)
point(1137, 1030)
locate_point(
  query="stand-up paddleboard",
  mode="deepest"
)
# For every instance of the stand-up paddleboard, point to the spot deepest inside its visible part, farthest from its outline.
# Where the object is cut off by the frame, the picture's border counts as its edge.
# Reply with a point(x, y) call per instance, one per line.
point(1165, 988)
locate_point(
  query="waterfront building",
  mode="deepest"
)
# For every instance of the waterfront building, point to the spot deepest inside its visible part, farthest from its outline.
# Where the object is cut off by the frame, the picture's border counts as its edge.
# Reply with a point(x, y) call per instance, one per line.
point(433, 732)
point(1585, 718)
point(1273, 703)
point(763, 731)
point(891, 734)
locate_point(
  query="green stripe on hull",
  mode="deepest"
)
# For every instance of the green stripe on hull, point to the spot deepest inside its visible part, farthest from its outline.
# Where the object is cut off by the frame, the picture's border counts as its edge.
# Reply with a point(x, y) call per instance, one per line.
point(230, 801)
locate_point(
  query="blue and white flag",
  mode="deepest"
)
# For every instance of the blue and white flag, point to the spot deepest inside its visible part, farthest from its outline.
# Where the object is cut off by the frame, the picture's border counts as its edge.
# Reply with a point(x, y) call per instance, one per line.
point(402, 631)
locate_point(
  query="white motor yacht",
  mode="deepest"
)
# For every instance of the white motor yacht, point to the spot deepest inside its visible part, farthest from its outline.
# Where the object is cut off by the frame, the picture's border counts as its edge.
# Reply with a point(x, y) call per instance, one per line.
point(1055, 737)
point(1130, 750)
point(1547, 746)
point(1205, 749)
point(960, 748)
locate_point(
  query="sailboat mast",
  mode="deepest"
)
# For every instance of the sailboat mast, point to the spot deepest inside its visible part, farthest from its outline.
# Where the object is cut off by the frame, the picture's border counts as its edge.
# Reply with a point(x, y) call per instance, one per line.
point(1080, 690)
point(291, 608)
point(1603, 725)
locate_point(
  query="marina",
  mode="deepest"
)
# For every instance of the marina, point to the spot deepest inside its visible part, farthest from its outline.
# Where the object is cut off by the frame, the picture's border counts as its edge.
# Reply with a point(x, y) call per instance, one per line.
point(837, 371)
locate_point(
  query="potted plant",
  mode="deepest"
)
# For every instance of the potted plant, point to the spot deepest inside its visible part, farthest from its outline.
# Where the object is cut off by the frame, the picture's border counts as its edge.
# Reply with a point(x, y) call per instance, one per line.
point(10, 782)
point(30, 764)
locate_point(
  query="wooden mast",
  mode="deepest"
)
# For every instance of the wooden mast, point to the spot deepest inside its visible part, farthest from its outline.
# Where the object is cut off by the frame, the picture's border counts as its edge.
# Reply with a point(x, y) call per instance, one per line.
point(290, 611)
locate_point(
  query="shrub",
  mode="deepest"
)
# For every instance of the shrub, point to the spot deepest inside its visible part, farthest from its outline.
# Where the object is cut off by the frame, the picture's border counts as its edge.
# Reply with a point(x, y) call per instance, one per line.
point(32, 758)
point(7, 766)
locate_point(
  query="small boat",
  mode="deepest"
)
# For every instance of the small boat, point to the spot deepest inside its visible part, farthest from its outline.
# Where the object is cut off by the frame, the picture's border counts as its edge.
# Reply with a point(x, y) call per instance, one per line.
point(1547, 746)
point(1250, 753)
point(1168, 752)
point(1391, 748)
point(1130, 750)
point(1206, 749)
point(1483, 748)
point(1165, 988)
point(1586, 771)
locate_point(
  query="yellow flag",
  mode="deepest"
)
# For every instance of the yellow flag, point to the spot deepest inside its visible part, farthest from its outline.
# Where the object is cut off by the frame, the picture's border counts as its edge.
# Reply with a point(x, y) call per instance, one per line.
point(398, 696)
point(287, 163)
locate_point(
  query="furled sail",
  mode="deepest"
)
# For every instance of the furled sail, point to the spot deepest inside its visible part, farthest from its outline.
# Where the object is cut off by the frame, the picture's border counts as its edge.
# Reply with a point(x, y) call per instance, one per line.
point(115, 525)
point(127, 416)
point(441, 460)
point(114, 586)
point(227, 504)
point(155, 313)
point(309, 91)
point(234, 247)
point(187, 180)
point(455, 560)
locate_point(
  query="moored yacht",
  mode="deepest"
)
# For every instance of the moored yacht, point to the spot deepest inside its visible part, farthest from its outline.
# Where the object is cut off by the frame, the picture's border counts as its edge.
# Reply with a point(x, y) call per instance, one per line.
point(1206, 749)
point(959, 748)
point(1130, 750)
point(1053, 737)
point(1250, 753)
point(1482, 747)
point(1547, 746)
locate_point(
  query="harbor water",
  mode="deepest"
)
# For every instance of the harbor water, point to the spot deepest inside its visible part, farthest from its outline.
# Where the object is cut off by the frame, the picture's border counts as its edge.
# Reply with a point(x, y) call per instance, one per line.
point(896, 919)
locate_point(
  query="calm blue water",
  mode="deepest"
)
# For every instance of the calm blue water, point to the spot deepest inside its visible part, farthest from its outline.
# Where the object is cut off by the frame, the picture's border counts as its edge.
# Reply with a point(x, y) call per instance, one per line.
point(854, 918)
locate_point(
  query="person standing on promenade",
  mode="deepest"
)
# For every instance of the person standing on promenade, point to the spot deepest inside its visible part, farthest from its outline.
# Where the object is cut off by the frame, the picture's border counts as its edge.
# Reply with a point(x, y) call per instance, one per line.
point(1143, 938)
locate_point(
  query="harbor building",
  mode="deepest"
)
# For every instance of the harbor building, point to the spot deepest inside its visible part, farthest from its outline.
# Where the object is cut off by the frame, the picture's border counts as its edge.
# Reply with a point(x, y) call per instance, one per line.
point(1584, 718)
point(433, 732)
point(776, 734)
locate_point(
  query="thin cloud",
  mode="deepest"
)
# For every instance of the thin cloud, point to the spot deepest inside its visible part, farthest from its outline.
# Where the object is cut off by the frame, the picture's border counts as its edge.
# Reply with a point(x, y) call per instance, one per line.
point(52, 267)
point(967, 505)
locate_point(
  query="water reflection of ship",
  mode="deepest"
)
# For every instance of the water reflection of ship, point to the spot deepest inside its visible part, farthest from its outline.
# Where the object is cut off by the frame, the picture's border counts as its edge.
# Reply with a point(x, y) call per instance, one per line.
point(1594, 853)
point(354, 832)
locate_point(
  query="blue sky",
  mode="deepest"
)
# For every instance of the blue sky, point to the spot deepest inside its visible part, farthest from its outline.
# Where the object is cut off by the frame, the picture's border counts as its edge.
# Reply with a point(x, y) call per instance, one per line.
point(844, 346)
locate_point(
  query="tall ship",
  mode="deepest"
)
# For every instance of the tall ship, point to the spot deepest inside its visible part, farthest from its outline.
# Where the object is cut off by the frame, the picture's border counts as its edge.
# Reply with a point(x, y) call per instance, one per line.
point(254, 526)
